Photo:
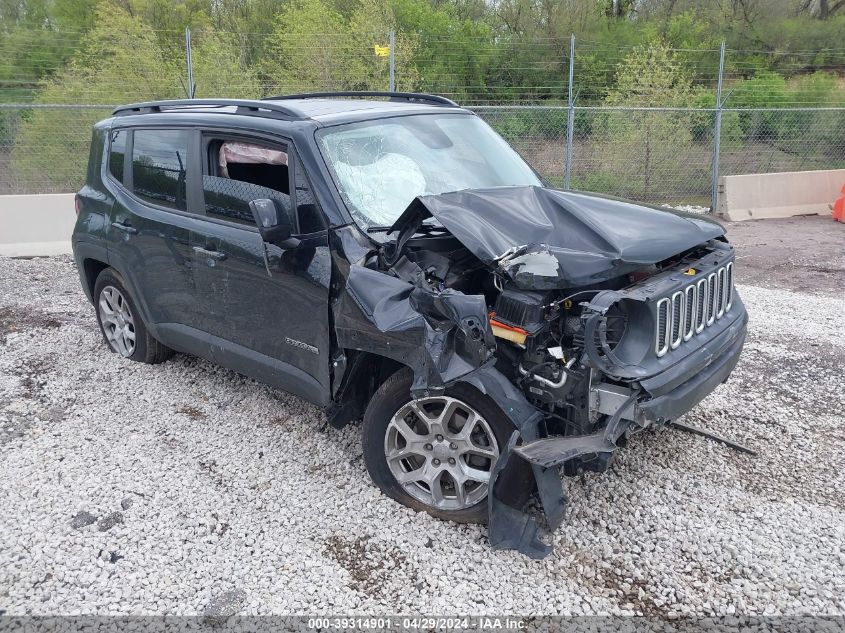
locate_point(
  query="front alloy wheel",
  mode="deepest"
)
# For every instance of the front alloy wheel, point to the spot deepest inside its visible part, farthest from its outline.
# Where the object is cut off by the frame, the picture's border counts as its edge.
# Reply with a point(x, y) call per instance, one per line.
point(441, 451)
point(436, 454)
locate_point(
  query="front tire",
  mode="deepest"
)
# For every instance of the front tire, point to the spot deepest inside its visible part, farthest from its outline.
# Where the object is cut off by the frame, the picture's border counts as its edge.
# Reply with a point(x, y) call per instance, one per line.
point(123, 329)
point(436, 454)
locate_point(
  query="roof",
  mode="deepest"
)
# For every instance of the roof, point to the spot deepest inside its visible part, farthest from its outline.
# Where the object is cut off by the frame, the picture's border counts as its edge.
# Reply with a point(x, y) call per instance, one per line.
point(327, 109)
point(324, 108)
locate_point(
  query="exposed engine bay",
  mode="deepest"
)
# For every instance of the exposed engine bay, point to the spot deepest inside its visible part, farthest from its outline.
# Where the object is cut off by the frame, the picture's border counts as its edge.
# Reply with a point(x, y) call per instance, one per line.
point(540, 334)
point(581, 341)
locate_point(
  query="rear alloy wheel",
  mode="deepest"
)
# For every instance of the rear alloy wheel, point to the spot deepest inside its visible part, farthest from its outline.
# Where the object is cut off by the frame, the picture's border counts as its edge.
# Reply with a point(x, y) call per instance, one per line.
point(436, 454)
point(117, 321)
point(121, 324)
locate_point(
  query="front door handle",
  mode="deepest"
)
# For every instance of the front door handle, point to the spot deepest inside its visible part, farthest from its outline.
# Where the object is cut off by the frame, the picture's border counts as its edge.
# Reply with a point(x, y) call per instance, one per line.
point(125, 227)
point(199, 250)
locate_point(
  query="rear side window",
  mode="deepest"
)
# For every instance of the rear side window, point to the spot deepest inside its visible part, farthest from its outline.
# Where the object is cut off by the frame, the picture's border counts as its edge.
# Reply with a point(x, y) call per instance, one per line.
point(117, 150)
point(159, 167)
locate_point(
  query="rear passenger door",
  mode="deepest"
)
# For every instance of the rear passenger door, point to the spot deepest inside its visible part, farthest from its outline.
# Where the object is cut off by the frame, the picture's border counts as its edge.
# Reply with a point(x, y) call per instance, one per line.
point(268, 319)
point(151, 175)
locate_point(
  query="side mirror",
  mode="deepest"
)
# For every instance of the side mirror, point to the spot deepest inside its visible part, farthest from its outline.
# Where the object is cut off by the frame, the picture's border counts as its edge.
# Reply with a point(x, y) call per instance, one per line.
point(274, 227)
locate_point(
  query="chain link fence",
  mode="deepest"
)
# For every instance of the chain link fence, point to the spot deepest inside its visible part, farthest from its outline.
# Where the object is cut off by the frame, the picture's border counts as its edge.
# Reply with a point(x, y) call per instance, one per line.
point(641, 124)
point(44, 148)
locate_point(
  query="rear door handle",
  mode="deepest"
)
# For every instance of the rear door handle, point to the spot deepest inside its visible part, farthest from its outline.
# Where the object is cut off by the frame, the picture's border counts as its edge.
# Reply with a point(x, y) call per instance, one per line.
point(126, 228)
point(199, 250)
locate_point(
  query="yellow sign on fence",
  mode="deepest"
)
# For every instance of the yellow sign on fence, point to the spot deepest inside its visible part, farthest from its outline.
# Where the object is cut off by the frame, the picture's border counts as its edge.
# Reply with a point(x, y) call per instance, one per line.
point(382, 51)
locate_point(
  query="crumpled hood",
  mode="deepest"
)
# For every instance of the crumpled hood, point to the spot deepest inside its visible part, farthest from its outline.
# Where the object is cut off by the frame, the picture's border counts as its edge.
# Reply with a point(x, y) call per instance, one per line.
point(544, 238)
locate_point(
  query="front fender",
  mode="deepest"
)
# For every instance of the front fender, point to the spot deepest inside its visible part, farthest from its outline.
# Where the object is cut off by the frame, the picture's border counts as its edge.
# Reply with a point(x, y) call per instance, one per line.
point(441, 336)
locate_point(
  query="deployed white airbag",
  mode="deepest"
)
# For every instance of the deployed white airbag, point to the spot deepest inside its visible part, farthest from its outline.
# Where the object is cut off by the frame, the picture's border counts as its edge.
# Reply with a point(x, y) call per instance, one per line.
point(234, 152)
point(384, 187)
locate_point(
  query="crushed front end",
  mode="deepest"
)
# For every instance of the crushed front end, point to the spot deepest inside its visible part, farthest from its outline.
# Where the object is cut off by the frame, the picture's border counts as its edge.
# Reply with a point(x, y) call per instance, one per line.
point(584, 319)
point(609, 365)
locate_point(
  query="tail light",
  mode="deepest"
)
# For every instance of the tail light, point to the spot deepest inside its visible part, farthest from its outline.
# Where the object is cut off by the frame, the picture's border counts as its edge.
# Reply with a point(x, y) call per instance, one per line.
point(76, 203)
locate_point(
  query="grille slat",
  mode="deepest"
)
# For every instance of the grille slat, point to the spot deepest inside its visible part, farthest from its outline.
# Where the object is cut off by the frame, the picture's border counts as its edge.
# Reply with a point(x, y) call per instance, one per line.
point(689, 311)
point(691, 299)
point(729, 274)
point(720, 300)
point(661, 343)
point(677, 334)
point(701, 309)
point(712, 291)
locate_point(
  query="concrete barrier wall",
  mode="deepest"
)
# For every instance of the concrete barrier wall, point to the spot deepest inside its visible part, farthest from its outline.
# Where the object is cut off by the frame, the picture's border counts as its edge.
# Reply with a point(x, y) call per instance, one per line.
point(781, 195)
point(36, 225)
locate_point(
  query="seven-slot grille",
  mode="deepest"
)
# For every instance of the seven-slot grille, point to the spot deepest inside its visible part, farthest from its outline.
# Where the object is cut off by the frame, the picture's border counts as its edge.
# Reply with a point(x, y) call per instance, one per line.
point(688, 311)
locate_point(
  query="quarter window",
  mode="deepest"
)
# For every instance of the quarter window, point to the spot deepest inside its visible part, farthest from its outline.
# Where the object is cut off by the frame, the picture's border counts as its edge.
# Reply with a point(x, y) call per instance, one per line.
point(116, 154)
point(159, 166)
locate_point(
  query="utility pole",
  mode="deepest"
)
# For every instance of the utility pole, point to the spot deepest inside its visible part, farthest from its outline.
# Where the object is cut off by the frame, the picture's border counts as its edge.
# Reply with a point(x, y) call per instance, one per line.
point(392, 80)
point(570, 120)
point(190, 89)
point(717, 132)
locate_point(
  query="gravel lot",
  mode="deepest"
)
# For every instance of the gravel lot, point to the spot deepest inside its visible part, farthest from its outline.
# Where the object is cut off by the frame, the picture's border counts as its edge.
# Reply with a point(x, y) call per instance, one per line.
point(131, 489)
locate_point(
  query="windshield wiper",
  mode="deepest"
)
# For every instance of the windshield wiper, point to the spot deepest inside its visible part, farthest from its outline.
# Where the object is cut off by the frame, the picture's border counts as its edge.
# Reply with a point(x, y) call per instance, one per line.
point(423, 228)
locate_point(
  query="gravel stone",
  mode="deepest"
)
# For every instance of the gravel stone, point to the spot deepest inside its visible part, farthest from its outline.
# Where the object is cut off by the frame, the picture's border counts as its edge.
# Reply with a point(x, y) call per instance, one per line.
point(224, 606)
point(126, 503)
point(109, 521)
point(82, 519)
point(680, 526)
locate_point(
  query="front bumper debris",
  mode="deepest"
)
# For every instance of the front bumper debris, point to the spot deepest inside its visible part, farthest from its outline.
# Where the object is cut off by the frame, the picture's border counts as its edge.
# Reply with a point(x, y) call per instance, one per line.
point(658, 400)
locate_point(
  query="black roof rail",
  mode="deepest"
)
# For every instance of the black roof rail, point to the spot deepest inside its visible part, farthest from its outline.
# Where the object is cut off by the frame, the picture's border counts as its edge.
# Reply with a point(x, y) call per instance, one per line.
point(410, 97)
point(244, 106)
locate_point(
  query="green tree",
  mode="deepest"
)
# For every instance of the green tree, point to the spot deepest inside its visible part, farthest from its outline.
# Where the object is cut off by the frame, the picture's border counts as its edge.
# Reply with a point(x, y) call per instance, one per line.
point(119, 62)
point(313, 47)
point(814, 135)
point(220, 69)
point(250, 20)
point(454, 56)
point(370, 25)
point(297, 58)
point(168, 19)
point(765, 90)
point(645, 143)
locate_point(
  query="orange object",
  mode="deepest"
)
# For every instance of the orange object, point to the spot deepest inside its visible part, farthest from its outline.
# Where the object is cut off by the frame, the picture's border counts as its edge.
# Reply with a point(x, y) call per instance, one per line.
point(839, 207)
point(507, 332)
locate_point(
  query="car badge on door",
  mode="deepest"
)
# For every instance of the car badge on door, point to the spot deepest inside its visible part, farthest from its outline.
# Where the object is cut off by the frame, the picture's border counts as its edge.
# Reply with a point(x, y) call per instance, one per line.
point(301, 345)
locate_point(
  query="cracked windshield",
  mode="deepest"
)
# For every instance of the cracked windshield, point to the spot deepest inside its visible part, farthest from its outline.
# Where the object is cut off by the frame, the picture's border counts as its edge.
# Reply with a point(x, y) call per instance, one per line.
point(381, 166)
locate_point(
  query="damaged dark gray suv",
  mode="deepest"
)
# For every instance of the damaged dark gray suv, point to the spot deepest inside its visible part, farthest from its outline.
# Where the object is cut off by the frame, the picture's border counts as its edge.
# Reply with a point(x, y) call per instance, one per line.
point(387, 255)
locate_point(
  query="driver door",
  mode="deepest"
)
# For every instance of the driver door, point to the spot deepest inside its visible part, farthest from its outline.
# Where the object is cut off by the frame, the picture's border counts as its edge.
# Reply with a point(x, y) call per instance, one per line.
point(266, 318)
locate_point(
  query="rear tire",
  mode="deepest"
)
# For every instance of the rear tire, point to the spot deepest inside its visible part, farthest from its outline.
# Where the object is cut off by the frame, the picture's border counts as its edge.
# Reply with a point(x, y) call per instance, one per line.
point(123, 329)
point(436, 456)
